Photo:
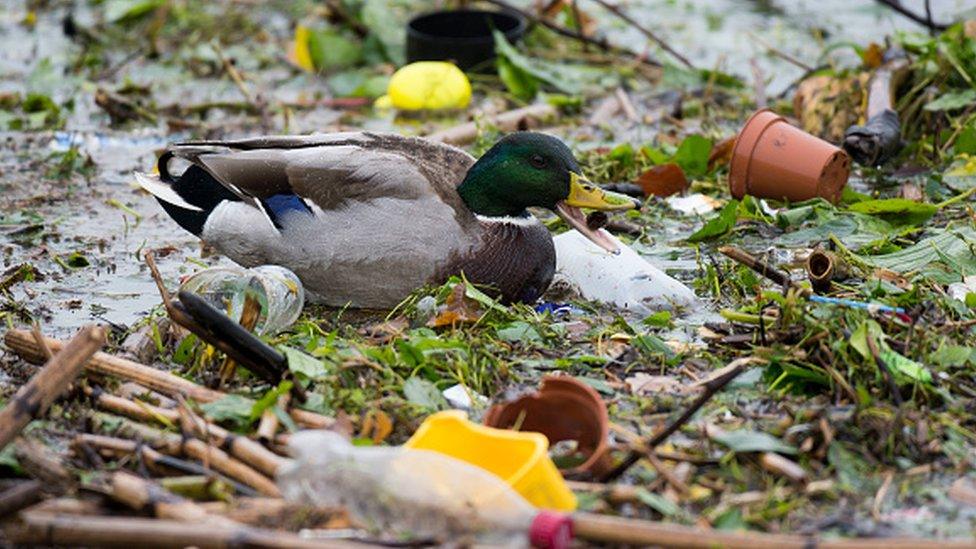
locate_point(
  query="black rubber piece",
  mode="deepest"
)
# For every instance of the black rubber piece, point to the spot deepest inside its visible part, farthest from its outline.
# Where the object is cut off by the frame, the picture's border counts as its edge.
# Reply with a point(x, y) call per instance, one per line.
point(877, 141)
point(462, 36)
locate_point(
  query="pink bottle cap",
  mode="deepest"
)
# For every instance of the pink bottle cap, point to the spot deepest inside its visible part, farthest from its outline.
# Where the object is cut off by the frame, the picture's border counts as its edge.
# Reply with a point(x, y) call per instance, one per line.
point(551, 530)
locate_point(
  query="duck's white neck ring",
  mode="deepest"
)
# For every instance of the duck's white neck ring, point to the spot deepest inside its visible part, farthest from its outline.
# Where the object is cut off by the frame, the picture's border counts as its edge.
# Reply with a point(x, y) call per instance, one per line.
point(526, 221)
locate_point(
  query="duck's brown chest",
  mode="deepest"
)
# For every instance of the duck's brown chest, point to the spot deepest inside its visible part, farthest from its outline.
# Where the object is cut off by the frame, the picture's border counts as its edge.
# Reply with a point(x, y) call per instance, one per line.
point(514, 260)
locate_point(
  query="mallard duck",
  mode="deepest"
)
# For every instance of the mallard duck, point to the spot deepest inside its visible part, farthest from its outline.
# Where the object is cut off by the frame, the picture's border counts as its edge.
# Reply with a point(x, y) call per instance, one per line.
point(364, 219)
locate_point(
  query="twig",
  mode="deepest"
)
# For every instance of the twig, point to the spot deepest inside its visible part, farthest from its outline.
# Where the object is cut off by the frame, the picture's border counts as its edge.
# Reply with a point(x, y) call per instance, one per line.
point(39, 528)
point(624, 531)
point(643, 30)
point(517, 119)
point(231, 71)
point(269, 421)
point(601, 43)
point(23, 494)
point(925, 21)
point(781, 54)
point(711, 387)
point(34, 398)
point(758, 265)
point(144, 495)
point(39, 338)
point(23, 344)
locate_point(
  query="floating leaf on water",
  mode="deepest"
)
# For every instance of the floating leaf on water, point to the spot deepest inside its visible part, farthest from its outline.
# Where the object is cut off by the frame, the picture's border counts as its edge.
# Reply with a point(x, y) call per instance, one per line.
point(745, 441)
point(422, 392)
point(718, 225)
point(899, 211)
point(664, 180)
point(953, 100)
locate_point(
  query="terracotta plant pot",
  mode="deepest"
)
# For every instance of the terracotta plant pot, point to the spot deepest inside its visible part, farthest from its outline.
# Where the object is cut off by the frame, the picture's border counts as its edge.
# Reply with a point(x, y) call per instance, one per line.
point(562, 409)
point(773, 159)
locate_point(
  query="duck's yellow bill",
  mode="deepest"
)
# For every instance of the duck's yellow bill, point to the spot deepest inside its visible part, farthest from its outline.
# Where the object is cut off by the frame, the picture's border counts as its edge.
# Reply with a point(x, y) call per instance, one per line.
point(583, 194)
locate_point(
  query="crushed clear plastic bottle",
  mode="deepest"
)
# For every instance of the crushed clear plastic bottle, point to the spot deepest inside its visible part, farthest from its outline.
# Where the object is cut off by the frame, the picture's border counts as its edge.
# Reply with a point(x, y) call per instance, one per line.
point(277, 291)
point(417, 494)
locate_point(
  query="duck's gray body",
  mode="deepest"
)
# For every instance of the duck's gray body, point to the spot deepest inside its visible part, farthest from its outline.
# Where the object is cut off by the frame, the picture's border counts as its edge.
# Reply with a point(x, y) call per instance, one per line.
point(371, 218)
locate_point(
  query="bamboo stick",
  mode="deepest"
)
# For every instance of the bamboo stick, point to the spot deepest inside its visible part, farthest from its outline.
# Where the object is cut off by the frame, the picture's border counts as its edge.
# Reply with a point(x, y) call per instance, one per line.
point(144, 495)
point(21, 342)
point(616, 530)
point(199, 450)
point(507, 121)
point(21, 495)
point(243, 448)
point(269, 421)
point(38, 528)
point(36, 396)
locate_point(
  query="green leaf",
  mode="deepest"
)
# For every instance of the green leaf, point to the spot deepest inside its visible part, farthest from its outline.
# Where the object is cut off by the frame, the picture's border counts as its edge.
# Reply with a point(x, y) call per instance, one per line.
point(566, 78)
point(421, 392)
point(518, 332)
point(384, 24)
point(232, 408)
point(652, 344)
point(658, 502)
point(303, 365)
point(904, 370)
point(852, 471)
point(268, 400)
point(718, 225)
point(898, 211)
point(745, 440)
point(519, 83)
point(331, 49)
point(966, 141)
point(660, 319)
point(127, 11)
point(953, 100)
point(692, 155)
point(953, 248)
point(358, 83)
point(9, 458)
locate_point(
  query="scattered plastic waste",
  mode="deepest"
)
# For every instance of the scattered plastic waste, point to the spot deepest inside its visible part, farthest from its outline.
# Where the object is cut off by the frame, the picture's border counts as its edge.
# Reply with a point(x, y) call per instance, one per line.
point(463, 36)
point(625, 280)
point(521, 459)
point(462, 398)
point(564, 409)
point(693, 204)
point(277, 291)
point(960, 290)
point(558, 309)
point(427, 85)
point(870, 307)
point(416, 492)
point(773, 159)
point(824, 267)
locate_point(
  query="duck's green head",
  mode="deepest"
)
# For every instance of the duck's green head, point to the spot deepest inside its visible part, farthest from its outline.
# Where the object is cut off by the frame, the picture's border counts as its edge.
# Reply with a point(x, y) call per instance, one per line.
point(526, 169)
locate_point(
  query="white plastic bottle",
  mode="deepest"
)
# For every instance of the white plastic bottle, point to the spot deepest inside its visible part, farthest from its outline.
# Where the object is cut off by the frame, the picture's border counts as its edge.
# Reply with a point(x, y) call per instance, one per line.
point(278, 291)
point(419, 494)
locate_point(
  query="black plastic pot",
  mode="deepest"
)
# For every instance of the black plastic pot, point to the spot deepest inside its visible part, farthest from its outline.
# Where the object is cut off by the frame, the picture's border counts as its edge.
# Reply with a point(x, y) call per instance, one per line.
point(461, 36)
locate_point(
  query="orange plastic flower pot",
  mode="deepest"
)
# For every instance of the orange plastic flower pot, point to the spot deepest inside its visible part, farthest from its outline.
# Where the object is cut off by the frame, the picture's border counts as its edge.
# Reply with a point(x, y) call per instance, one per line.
point(774, 159)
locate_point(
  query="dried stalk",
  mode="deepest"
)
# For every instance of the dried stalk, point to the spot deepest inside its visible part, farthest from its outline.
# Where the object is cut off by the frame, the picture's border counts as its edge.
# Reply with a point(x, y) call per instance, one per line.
point(517, 119)
point(711, 386)
point(23, 344)
point(38, 528)
point(758, 265)
point(624, 531)
point(34, 398)
point(23, 494)
point(144, 495)
point(269, 421)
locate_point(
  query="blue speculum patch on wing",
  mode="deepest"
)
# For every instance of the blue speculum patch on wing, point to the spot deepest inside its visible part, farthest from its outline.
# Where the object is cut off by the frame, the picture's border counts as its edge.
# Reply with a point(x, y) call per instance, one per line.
point(279, 205)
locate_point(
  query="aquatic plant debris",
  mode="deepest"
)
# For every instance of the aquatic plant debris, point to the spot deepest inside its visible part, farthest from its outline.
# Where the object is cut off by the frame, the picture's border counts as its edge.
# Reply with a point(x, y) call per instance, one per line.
point(748, 408)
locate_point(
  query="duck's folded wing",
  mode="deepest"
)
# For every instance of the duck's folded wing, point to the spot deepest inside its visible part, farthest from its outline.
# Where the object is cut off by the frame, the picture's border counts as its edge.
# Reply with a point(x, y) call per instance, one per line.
point(331, 170)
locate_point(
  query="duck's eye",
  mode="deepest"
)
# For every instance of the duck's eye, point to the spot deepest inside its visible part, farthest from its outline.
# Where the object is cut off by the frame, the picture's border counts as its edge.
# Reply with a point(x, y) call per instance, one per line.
point(537, 161)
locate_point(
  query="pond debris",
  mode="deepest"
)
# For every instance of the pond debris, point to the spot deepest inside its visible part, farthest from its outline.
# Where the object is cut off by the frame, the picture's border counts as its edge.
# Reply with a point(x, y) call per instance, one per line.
point(879, 139)
point(563, 409)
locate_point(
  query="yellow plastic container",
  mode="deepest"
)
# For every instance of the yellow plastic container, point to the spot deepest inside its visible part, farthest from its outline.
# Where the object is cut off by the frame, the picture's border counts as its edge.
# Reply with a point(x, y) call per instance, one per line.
point(520, 459)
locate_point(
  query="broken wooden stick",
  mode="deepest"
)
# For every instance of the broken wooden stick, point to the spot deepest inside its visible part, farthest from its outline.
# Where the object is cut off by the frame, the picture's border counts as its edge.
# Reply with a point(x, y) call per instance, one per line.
point(21, 342)
point(22, 494)
point(879, 139)
point(39, 528)
point(758, 265)
point(269, 421)
point(144, 495)
point(518, 119)
point(35, 397)
point(713, 385)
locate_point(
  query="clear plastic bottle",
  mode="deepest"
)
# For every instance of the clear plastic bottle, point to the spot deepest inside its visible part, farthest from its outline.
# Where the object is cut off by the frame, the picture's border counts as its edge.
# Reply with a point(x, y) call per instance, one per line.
point(419, 494)
point(277, 290)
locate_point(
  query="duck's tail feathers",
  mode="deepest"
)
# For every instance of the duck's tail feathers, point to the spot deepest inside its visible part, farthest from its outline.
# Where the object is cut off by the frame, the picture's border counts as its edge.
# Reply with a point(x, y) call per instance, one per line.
point(163, 192)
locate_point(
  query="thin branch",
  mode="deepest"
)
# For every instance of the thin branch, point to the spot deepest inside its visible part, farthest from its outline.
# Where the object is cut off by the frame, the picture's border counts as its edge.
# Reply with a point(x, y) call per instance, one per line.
point(925, 21)
point(647, 33)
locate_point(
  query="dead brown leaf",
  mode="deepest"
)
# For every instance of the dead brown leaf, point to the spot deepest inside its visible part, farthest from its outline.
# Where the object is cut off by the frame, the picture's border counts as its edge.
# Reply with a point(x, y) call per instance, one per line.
point(376, 425)
point(721, 153)
point(663, 180)
point(644, 384)
point(458, 309)
point(873, 56)
point(381, 333)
